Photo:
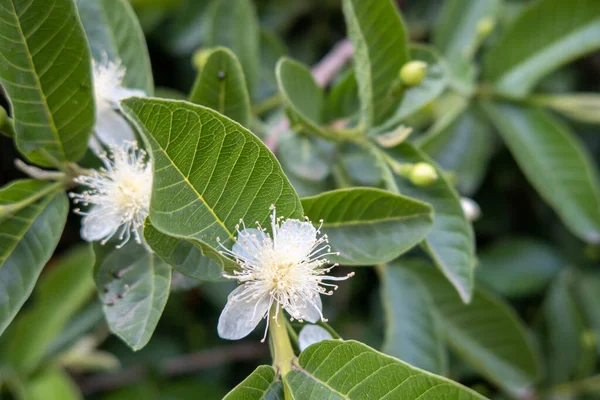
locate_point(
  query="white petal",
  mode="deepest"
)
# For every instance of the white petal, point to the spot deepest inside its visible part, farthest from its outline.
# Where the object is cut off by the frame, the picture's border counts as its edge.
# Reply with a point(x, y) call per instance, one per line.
point(295, 239)
point(312, 334)
point(240, 317)
point(95, 145)
point(99, 224)
point(112, 128)
point(120, 93)
point(248, 243)
point(310, 312)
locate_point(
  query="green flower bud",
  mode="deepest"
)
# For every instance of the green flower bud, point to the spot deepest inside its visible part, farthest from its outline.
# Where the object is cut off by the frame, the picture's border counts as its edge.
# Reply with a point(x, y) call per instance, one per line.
point(200, 58)
point(485, 26)
point(412, 73)
point(423, 174)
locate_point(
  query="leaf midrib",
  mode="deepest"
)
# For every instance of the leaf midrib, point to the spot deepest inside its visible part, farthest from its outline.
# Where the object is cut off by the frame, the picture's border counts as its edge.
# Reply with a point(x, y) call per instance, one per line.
point(36, 78)
point(375, 221)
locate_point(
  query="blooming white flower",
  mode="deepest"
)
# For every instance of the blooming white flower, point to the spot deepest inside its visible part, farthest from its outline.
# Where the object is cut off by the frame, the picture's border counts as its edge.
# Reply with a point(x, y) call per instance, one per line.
point(119, 195)
point(285, 271)
point(111, 127)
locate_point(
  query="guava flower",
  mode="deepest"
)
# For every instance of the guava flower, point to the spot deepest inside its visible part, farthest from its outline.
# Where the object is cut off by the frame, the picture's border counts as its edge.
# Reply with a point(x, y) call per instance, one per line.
point(311, 334)
point(111, 127)
point(283, 271)
point(118, 195)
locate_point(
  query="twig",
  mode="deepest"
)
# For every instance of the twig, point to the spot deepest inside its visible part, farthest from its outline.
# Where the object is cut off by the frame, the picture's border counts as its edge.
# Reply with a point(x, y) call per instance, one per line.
point(177, 366)
point(323, 72)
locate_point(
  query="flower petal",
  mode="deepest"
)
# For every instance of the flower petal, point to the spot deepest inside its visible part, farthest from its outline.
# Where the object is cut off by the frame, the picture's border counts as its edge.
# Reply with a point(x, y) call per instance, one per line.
point(98, 224)
point(112, 129)
point(295, 240)
point(120, 93)
point(248, 243)
point(240, 317)
point(312, 334)
point(310, 312)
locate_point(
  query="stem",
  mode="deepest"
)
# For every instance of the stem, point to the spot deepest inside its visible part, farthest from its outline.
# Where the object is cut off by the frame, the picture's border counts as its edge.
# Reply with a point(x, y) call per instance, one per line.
point(383, 163)
point(38, 173)
point(14, 207)
point(267, 105)
point(282, 347)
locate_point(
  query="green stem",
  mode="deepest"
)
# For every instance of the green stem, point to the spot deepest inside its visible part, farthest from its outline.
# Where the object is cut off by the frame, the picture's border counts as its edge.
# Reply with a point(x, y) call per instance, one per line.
point(14, 207)
point(282, 347)
point(383, 163)
point(267, 105)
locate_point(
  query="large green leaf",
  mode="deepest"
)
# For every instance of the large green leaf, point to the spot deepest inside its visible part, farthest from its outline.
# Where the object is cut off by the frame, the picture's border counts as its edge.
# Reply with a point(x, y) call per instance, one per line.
point(39, 325)
point(369, 226)
point(455, 33)
point(517, 267)
point(380, 46)
point(234, 24)
point(412, 328)
point(209, 171)
point(486, 333)
point(416, 97)
point(557, 32)
point(182, 255)
point(451, 243)
point(45, 70)
point(220, 85)
point(564, 329)
point(114, 32)
point(52, 384)
point(464, 147)
point(555, 163)
point(29, 238)
point(261, 384)
point(336, 369)
point(134, 286)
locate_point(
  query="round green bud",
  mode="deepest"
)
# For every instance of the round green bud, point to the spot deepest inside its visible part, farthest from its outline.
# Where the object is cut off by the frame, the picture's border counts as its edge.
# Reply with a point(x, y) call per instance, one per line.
point(423, 174)
point(412, 73)
point(485, 26)
point(200, 58)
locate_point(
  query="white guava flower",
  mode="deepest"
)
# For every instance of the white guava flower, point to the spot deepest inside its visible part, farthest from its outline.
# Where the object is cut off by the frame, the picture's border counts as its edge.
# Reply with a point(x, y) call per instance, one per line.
point(111, 127)
point(118, 195)
point(311, 334)
point(283, 271)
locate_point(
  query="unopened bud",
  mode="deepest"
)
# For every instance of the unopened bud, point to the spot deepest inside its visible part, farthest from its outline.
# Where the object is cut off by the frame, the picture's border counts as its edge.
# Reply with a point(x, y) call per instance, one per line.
point(200, 58)
point(485, 26)
point(470, 208)
point(412, 73)
point(423, 174)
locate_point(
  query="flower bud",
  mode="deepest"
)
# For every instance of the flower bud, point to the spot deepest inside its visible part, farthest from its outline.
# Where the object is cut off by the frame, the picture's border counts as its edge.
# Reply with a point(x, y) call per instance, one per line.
point(485, 26)
point(423, 174)
point(412, 73)
point(470, 208)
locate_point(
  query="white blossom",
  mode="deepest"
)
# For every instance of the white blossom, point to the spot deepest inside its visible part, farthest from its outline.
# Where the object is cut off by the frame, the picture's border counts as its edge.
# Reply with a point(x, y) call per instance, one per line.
point(311, 334)
point(118, 195)
point(111, 127)
point(286, 270)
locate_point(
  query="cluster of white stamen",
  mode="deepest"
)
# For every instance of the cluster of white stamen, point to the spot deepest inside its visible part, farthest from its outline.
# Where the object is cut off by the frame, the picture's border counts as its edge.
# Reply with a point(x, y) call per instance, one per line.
point(118, 195)
point(108, 81)
point(290, 266)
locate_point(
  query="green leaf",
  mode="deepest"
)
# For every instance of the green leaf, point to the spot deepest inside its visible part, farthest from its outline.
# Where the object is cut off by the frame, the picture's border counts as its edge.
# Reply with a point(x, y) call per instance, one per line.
point(342, 100)
point(272, 48)
point(52, 384)
point(465, 147)
point(555, 163)
point(209, 172)
point(40, 324)
point(588, 297)
point(113, 32)
point(134, 286)
point(486, 333)
point(578, 106)
point(417, 97)
point(234, 24)
point(451, 244)
point(561, 32)
point(455, 34)
point(369, 226)
point(306, 157)
point(413, 331)
point(182, 255)
point(336, 369)
point(517, 267)
point(261, 384)
point(301, 95)
point(380, 46)
point(220, 85)
point(52, 100)
point(565, 329)
point(29, 238)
